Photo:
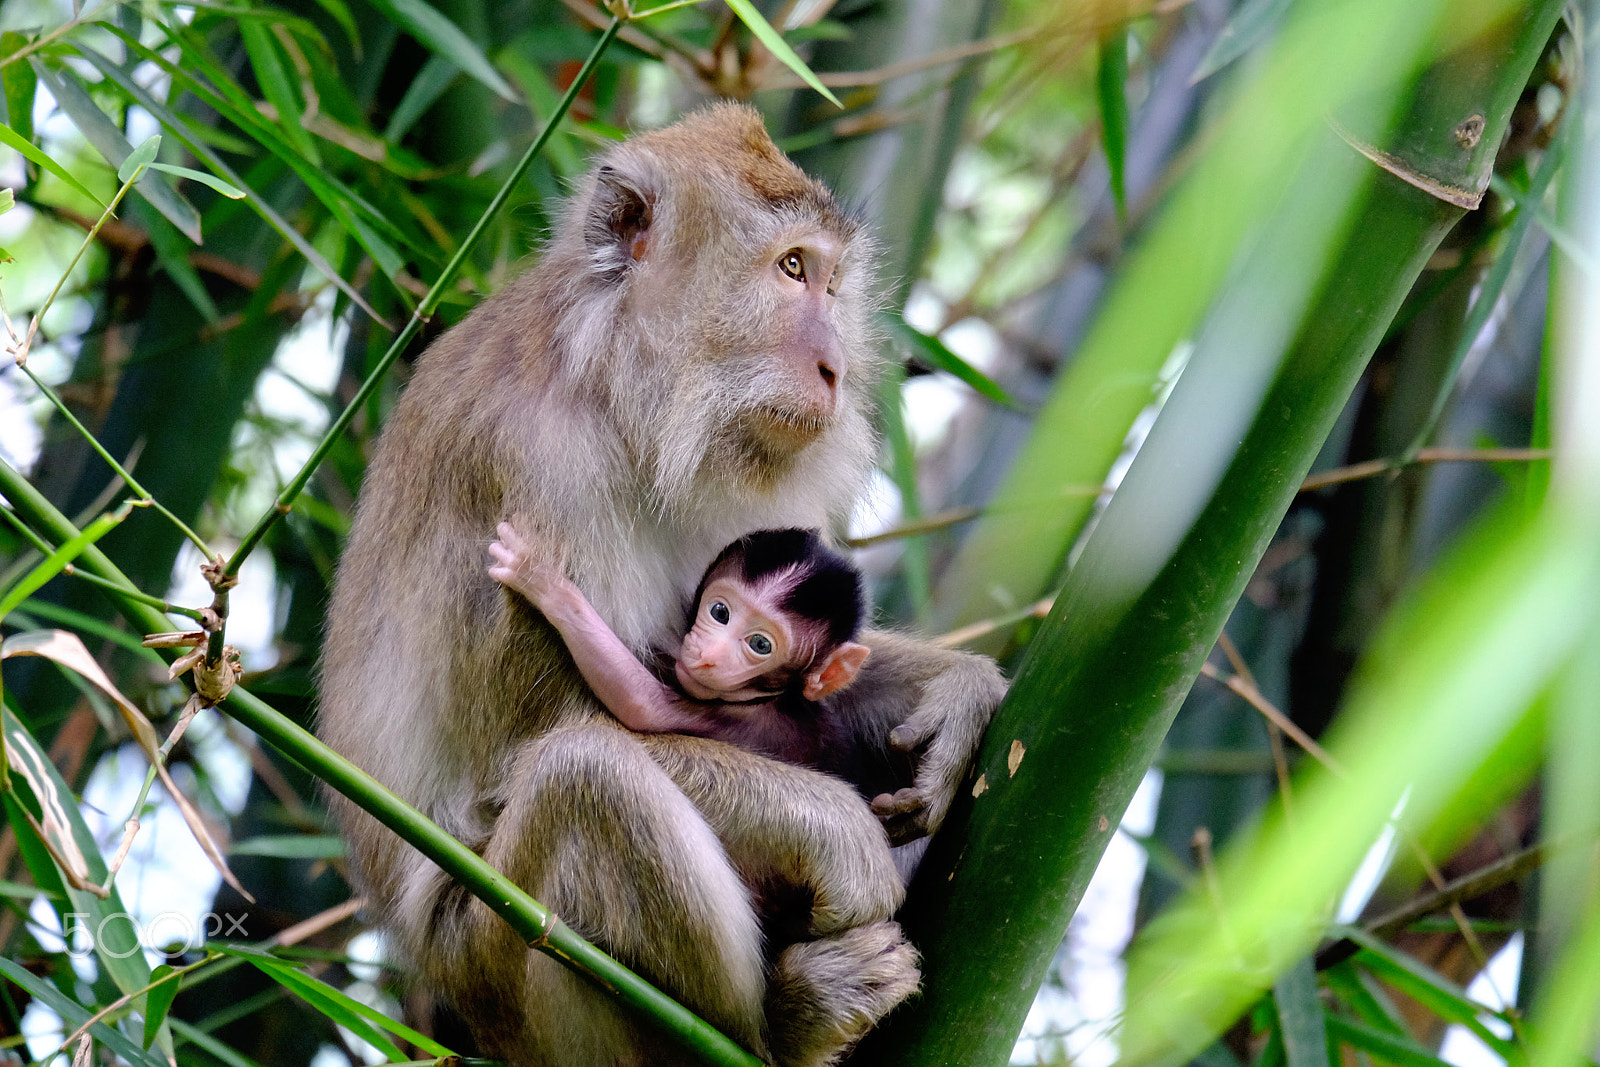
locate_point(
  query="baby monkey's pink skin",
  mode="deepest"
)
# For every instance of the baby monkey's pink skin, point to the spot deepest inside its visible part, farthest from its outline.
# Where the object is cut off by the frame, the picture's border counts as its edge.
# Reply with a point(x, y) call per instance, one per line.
point(741, 635)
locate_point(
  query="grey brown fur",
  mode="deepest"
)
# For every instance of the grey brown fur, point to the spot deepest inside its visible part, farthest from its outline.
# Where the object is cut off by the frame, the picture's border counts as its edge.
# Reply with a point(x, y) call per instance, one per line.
point(643, 397)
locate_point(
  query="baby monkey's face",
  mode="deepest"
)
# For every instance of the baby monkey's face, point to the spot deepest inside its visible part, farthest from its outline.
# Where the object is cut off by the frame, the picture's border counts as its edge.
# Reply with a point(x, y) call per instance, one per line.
point(740, 635)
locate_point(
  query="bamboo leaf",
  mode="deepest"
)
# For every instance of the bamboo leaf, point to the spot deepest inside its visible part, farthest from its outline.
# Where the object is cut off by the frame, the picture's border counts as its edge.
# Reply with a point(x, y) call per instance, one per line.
point(12, 139)
point(348, 1012)
point(937, 355)
point(442, 37)
point(276, 84)
point(232, 192)
point(107, 139)
point(292, 846)
point(19, 84)
point(214, 161)
point(1112, 89)
point(106, 919)
point(426, 88)
point(158, 1002)
point(763, 31)
point(139, 158)
point(1246, 28)
point(1380, 1044)
point(1300, 1016)
point(53, 564)
point(68, 650)
point(74, 1014)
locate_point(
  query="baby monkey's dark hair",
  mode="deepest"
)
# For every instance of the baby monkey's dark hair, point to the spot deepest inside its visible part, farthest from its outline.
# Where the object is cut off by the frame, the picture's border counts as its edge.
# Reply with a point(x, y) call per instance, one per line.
point(821, 586)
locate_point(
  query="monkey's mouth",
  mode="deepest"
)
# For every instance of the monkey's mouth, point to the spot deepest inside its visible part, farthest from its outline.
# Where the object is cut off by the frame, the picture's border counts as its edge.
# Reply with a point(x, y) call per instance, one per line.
point(786, 426)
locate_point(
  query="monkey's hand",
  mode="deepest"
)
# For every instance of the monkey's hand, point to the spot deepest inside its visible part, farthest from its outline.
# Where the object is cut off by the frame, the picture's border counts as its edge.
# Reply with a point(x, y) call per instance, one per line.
point(954, 694)
point(529, 567)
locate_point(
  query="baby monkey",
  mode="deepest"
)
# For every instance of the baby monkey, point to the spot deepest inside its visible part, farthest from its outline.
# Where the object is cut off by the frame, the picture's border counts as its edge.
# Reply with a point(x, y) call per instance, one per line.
point(773, 633)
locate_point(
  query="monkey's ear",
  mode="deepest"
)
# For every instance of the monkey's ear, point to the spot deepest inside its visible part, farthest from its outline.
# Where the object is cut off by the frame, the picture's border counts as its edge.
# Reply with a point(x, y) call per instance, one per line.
point(618, 227)
point(837, 670)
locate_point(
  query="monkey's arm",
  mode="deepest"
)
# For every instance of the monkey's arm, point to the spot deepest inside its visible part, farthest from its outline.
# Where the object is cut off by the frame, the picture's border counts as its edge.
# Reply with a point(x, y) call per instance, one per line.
point(620, 682)
point(918, 703)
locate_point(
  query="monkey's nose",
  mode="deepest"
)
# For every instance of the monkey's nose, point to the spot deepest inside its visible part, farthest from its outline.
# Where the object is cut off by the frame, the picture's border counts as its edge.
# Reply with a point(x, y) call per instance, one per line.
point(830, 377)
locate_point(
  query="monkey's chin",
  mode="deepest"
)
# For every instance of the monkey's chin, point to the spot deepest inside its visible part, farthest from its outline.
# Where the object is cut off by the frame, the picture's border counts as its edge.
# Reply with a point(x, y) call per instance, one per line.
point(787, 429)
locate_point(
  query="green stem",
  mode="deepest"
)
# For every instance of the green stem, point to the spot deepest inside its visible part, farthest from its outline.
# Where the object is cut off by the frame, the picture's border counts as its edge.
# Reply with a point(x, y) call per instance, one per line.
point(424, 310)
point(532, 921)
point(144, 494)
point(44, 547)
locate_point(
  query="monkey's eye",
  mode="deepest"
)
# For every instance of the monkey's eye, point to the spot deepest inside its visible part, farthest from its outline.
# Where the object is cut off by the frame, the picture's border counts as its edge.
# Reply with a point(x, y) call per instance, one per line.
point(833, 284)
point(718, 612)
point(793, 264)
point(760, 644)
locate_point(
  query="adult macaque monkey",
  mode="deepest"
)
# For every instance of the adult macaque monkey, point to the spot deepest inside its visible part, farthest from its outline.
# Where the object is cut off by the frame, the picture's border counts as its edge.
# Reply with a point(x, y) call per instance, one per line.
point(690, 360)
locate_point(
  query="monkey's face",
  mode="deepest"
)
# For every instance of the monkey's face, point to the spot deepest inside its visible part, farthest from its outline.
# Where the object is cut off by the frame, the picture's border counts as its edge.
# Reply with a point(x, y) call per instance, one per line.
point(740, 635)
point(810, 362)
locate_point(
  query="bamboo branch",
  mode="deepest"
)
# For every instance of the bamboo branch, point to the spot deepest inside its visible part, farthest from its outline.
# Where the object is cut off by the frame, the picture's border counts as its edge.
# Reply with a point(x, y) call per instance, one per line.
point(541, 928)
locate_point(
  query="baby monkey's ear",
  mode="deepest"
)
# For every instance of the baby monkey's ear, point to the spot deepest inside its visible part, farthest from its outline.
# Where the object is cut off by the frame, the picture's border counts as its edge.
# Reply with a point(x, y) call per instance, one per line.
point(837, 670)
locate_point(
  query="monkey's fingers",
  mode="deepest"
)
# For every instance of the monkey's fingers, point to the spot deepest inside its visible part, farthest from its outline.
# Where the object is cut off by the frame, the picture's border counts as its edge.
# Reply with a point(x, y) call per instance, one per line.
point(913, 734)
point(909, 799)
point(904, 814)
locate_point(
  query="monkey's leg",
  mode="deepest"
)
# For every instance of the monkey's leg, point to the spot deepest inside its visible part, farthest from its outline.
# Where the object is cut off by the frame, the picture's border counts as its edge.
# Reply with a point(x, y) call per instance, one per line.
point(594, 829)
point(826, 994)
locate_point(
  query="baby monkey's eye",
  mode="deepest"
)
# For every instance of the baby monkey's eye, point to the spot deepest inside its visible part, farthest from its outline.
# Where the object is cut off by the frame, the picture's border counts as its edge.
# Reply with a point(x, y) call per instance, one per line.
point(718, 612)
point(760, 644)
point(793, 264)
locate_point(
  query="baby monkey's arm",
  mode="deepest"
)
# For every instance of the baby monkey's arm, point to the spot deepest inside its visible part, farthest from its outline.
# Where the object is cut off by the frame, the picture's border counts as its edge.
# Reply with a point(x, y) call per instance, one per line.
point(620, 682)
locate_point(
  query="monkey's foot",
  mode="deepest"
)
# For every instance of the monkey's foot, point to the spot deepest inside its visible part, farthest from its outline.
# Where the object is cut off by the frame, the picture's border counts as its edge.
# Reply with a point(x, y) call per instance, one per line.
point(824, 995)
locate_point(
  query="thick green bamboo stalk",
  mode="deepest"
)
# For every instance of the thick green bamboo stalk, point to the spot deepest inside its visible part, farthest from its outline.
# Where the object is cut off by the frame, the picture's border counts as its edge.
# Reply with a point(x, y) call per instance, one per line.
point(1156, 580)
point(537, 925)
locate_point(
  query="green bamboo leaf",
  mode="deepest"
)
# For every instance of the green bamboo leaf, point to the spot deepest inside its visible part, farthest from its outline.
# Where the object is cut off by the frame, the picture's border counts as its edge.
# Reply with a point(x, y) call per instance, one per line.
point(1248, 26)
point(1381, 1045)
point(426, 88)
point(292, 846)
point(763, 31)
point(35, 780)
point(935, 353)
point(108, 140)
point(1349, 986)
point(8, 200)
point(1111, 84)
point(18, 85)
point(52, 564)
point(172, 252)
point(277, 85)
point(221, 93)
point(74, 1015)
point(197, 1037)
point(158, 1002)
point(18, 891)
point(1426, 986)
point(1300, 1016)
point(214, 161)
point(441, 36)
point(343, 1009)
point(12, 139)
point(232, 192)
point(139, 158)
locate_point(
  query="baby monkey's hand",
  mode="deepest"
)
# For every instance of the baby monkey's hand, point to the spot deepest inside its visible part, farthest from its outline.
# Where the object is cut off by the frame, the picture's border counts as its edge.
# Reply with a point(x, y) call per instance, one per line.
point(530, 568)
